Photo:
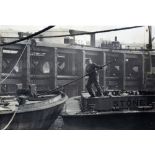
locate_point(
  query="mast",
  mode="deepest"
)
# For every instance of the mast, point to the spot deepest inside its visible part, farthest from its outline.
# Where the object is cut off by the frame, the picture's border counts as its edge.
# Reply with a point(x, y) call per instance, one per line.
point(150, 37)
point(150, 47)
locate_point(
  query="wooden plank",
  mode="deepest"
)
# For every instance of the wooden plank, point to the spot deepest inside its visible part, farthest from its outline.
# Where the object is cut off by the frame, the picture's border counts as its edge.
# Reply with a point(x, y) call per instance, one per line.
point(91, 53)
point(13, 47)
point(12, 81)
point(11, 75)
point(67, 77)
point(68, 51)
point(40, 76)
point(112, 78)
point(127, 51)
point(114, 54)
point(132, 56)
point(41, 49)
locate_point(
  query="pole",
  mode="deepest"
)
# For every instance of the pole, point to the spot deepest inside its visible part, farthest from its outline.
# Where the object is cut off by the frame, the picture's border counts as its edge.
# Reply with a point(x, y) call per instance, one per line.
point(56, 89)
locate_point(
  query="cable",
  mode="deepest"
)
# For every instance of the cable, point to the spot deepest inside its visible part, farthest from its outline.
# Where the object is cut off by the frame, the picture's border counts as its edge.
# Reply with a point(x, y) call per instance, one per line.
point(94, 32)
point(28, 37)
point(85, 33)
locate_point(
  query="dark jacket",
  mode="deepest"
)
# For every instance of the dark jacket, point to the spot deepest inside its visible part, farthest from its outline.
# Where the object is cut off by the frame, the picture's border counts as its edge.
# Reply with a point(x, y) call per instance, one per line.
point(92, 70)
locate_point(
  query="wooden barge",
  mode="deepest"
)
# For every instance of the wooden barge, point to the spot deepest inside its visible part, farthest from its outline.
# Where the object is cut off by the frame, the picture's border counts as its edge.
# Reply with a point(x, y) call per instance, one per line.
point(136, 112)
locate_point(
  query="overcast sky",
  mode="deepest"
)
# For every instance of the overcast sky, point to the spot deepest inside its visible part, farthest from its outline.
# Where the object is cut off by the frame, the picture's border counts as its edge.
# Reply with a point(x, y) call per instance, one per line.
point(139, 35)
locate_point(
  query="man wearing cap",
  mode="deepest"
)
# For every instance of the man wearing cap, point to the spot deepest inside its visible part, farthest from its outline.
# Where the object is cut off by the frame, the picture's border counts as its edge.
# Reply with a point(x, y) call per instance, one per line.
point(92, 71)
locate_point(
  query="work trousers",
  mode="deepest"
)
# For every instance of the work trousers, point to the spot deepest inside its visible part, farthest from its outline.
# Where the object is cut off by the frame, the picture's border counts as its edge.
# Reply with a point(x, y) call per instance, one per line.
point(94, 81)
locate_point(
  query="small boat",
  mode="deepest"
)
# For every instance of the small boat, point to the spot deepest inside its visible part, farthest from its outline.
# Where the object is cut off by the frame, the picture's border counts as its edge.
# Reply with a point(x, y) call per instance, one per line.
point(28, 113)
point(111, 111)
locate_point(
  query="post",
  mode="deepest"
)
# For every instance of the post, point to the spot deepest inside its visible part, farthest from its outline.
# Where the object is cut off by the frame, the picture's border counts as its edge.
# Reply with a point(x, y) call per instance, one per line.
point(83, 69)
point(150, 47)
point(124, 72)
point(92, 40)
point(55, 71)
point(150, 38)
point(150, 62)
point(1, 63)
point(26, 66)
point(143, 72)
point(104, 71)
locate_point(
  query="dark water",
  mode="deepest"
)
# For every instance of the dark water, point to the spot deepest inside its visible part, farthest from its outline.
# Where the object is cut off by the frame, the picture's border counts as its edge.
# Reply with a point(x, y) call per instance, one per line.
point(134, 124)
point(58, 124)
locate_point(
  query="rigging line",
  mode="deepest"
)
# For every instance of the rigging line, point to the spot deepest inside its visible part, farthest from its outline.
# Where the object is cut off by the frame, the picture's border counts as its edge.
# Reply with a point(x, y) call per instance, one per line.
point(81, 77)
point(84, 33)
point(28, 37)
point(94, 32)
point(11, 120)
point(15, 64)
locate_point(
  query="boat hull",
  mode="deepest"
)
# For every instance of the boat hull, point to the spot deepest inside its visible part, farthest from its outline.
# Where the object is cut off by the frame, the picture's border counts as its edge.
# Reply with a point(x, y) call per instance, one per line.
point(36, 119)
point(111, 121)
point(75, 118)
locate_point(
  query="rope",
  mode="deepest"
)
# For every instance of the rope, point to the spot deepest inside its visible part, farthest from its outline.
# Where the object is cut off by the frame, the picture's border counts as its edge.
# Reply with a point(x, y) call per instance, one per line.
point(89, 33)
point(53, 90)
point(15, 64)
point(11, 120)
point(85, 33)
point(28, 37)
point(14, 114)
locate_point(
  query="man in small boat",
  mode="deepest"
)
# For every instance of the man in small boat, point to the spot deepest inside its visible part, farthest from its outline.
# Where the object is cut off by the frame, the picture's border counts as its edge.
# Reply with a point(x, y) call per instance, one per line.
point(23, 94)
point(92, 71)
point(31, 91)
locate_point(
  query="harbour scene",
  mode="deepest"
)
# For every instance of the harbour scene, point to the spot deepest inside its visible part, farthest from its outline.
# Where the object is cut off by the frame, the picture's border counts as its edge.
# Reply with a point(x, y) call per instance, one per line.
point(77, 78)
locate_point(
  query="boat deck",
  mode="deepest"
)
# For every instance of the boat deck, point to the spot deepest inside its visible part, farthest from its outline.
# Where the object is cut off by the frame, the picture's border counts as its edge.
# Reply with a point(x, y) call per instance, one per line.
point(126, 119)
point(72, 106)
point(106, 104)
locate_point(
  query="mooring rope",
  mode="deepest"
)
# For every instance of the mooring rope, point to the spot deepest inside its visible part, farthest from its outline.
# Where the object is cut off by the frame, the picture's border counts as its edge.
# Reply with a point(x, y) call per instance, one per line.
point(26, 38)
point(14, 114)
point(11, 120)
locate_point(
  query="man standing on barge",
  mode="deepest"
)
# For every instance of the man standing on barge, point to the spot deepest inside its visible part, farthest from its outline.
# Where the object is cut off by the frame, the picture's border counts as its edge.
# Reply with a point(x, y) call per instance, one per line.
point(92, 71)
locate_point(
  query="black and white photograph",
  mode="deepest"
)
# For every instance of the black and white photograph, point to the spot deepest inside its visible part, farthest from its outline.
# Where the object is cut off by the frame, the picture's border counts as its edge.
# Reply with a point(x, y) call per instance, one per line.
point(75, 78)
